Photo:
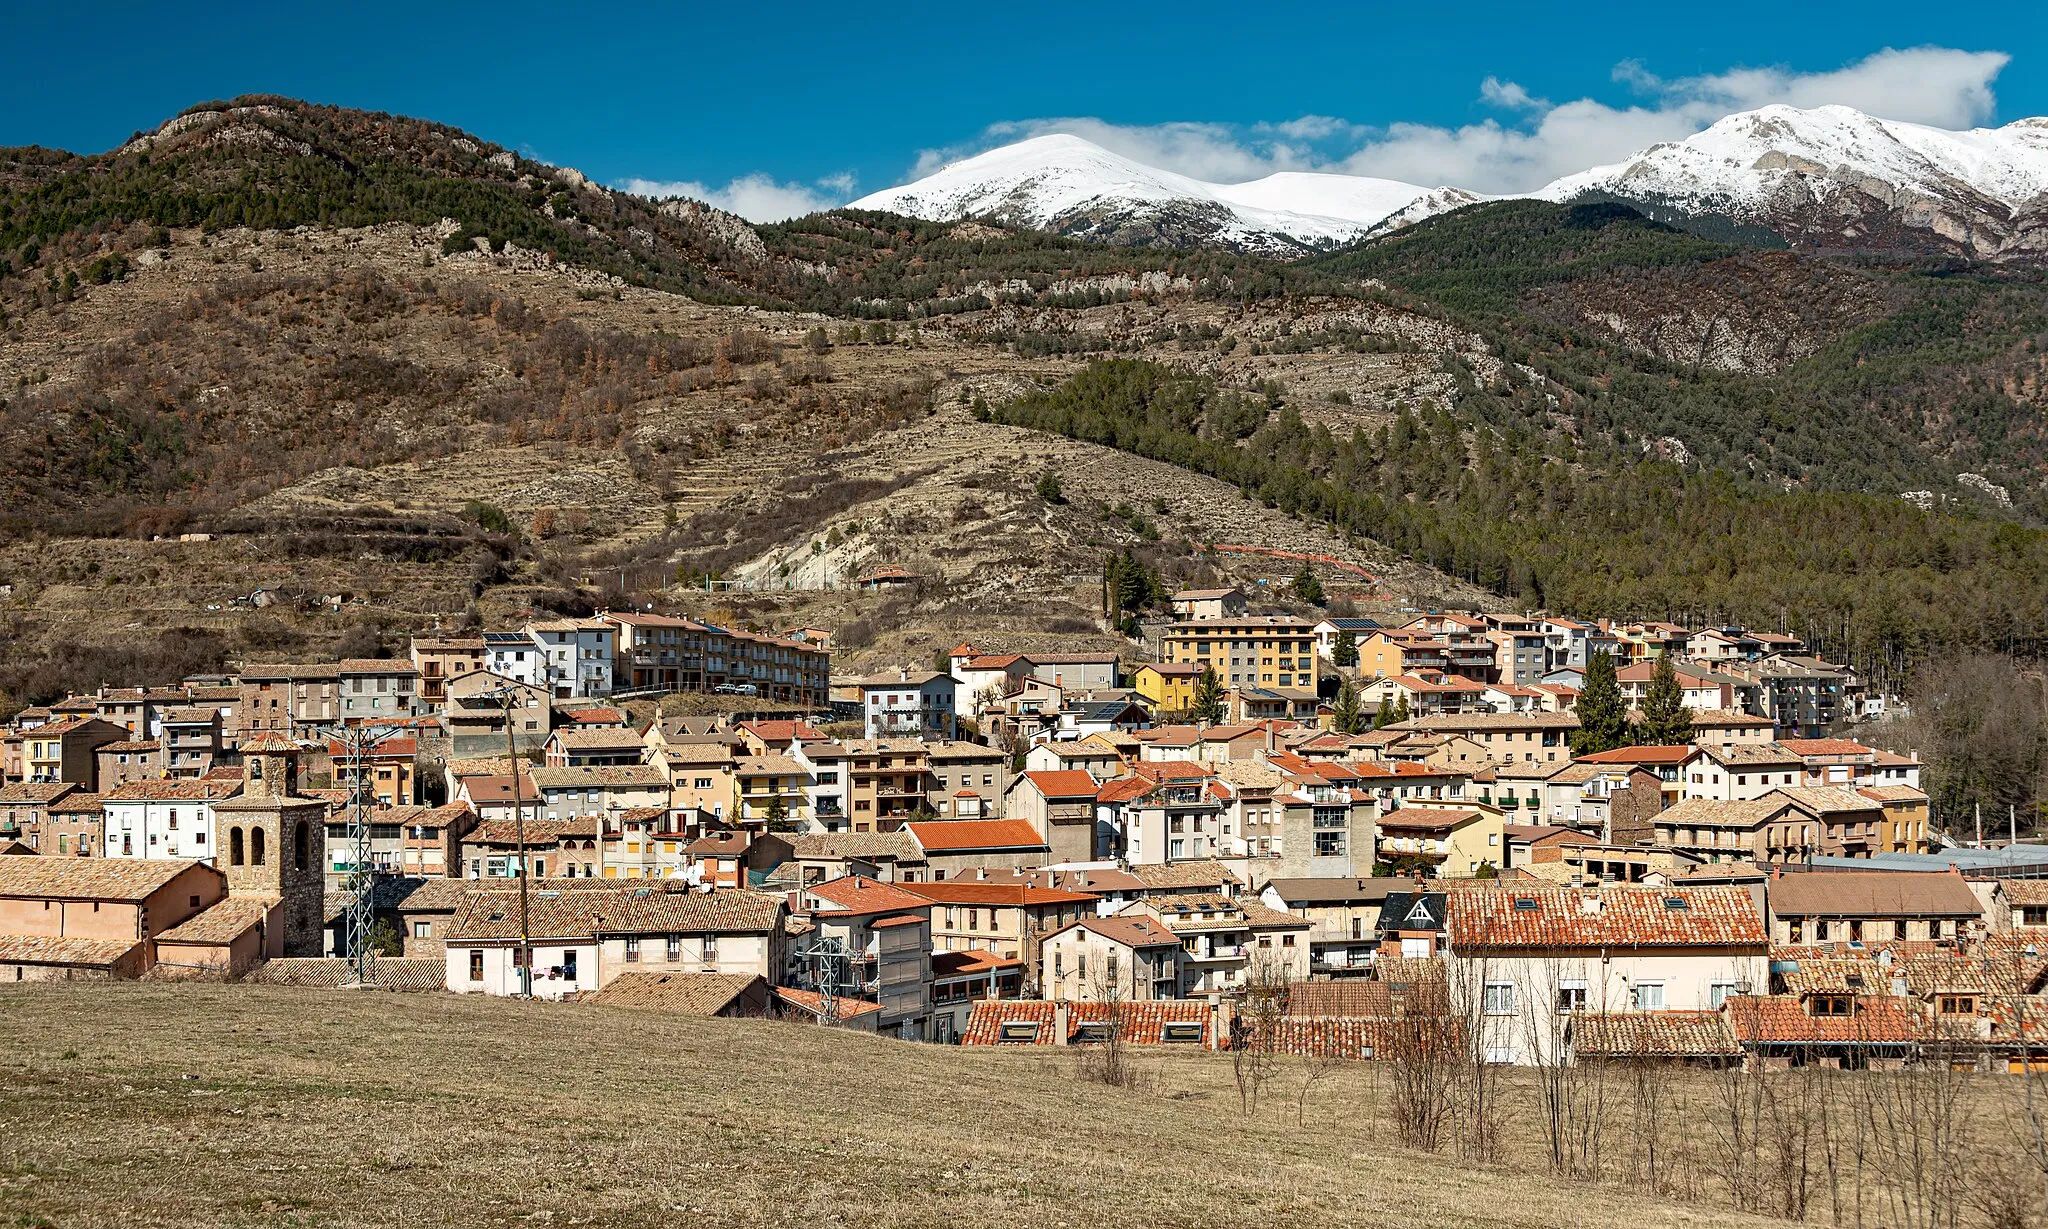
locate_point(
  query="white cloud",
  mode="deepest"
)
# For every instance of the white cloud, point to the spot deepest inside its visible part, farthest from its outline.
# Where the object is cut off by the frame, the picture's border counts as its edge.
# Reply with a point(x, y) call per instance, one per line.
point(1509, 95)
point(757, 198)
point(1541, 140)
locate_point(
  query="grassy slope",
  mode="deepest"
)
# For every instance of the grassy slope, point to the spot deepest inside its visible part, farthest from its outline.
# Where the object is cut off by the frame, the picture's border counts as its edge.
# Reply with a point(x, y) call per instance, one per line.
point(336, 1110)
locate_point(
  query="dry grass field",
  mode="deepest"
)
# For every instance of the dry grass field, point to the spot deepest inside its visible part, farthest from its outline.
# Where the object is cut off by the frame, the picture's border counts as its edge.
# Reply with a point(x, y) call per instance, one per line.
point(140, 1105)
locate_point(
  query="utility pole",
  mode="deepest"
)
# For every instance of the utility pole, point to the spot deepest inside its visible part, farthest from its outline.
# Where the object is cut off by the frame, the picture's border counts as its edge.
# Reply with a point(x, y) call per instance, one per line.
point(506, 698)
point(1980, 825)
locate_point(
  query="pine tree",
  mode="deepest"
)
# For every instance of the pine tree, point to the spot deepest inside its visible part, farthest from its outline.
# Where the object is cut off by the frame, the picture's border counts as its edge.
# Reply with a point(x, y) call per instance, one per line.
point(1346, 716)
point(1603, 719)
point(1666, 722)
point(1382, 718)
point(1346, 652)
point(1208, 707)
point(1307, 587)
point(1400, 713)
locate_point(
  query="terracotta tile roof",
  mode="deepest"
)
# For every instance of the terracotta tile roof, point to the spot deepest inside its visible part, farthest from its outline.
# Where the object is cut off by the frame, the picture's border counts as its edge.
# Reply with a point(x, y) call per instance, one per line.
point(782, 731)
point(80, 803)
point(1752, 755)
point(184, 790)
point(538, 832)
point(1000, 1021)
point(689, 994)
point(1825, 746)
point(1893, 793)
point(2025, 891)
point(1642, 755)
point(604, 736)
point(559, 912)
point(1094, 881)
point(1350, 996)
point(1449, 722)
point(49, 949)
point(375, 665)
point(1824, 799)
point(34, 793)
point(976, 892)
point(1181, 875)
point(866, 845)
point(1518, 917)
point(223, 922)
point(1873, 894)
point(129, 745)
point(55, 878)
point(1131, 930)
point(411, 974)
point(1351, 1037)
point(719, 844)
point(812, 1002)
point(270, 741)
point(593, 716)
point(1652, 1034)
point(965, 835)
point(1782, 1020)
point(858, 894)
point(1064, 783)
point(1427, 819)
point(969, 964)
point(629, 775)
point(699, 754)
point(1719, 813)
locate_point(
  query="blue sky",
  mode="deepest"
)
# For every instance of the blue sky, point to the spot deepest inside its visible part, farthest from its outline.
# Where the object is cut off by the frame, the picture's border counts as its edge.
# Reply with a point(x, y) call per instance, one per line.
point(772, 108)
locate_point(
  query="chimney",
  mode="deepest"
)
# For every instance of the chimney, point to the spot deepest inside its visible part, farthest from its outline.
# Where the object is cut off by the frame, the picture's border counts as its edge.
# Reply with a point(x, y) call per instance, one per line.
point(1059, 1022)
point(903, 675)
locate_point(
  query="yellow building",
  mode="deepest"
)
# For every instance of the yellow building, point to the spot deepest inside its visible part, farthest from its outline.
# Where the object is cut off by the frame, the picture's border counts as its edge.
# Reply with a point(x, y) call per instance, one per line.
point(1453, 838)
point(1169, 687)
point(761, 782)
point(1270, 650)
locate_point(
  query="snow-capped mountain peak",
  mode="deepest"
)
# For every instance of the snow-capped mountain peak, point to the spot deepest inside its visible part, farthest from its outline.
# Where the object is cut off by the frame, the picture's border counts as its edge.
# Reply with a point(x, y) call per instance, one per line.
point(1823, 177)
point(1836, 177)
point(1071, 185)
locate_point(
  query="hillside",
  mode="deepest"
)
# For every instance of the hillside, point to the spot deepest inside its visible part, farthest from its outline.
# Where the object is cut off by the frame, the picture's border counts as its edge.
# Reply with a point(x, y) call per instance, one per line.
point(338, 1109)
point(386, 375)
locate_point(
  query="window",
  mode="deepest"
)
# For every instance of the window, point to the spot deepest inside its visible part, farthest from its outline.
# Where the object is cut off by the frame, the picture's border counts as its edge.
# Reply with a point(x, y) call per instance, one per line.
point(476, 964)
point(1832, 1005)
point(1718, 992)
point(632, 949)
point(569, 964)
point(1498, 999)
point(675, 948)
point(1648, 996)
point(1956, 1004)
point(710, 949)
point(1571, 996)
point(425, 930)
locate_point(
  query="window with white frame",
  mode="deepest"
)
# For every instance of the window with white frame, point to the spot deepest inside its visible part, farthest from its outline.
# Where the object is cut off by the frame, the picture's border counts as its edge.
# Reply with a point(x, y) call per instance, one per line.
point(1498, 998)
point(1571, 995)
point(1648, 996)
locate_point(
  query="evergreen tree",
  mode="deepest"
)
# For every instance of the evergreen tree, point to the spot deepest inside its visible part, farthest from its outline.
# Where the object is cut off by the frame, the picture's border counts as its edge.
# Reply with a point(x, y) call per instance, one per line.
point(1400, 713)
point(1382, 718)
point(1208, 697)
point(1346, 652)
point(1603, 718)
point(1666, 722)
point(1307, 587)
point(1346, 717)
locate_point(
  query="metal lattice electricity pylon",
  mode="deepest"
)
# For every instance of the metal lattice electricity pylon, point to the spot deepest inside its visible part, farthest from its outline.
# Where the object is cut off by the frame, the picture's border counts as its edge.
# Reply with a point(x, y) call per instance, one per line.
point(358, 743)
point(829, 965)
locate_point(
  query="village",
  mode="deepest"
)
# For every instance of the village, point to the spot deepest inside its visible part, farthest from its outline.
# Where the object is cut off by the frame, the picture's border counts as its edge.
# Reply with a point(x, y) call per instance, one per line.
point(1263, 833)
